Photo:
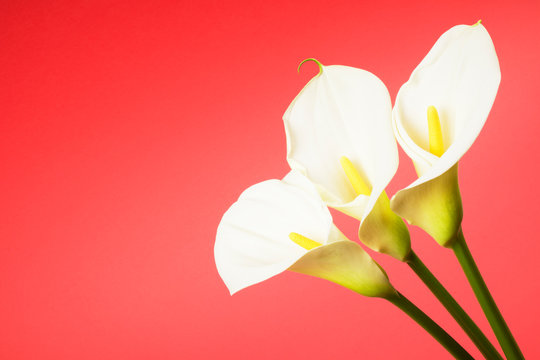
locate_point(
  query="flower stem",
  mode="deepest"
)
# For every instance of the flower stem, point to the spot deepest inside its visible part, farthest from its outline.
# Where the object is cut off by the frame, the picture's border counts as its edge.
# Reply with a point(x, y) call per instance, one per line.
point(429, 325)
point(462, 318)
point(494, 316)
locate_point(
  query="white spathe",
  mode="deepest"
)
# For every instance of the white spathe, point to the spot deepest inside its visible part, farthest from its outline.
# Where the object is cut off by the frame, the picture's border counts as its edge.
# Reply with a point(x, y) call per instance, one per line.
point(342, 111)
point(459, 77)
point(253, 244)
point(345, 111)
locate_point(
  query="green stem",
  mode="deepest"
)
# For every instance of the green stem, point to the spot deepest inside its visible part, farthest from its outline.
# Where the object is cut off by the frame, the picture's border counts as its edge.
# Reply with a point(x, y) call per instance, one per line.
point(429, 325)
point(501, 330)
point(464, 320)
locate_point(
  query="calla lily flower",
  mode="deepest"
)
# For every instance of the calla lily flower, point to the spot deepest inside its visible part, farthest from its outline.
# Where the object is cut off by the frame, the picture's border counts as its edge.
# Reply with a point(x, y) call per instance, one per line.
point(339, 135)
point(284, 225)
point(438, 114)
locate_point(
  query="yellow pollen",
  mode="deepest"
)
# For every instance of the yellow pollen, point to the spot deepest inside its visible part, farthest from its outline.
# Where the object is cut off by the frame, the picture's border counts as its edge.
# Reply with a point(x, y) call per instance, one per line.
point(303, 241)
point(436, 146)
point(356, 180)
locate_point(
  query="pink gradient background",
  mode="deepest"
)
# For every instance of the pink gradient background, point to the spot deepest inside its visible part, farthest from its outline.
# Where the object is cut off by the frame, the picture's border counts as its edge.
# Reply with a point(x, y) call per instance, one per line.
point(128, 128)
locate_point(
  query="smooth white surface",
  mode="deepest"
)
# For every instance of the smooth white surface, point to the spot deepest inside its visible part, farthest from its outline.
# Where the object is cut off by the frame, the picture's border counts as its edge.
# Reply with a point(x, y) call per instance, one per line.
point(459, 76)
point(253, 244)
point(252, 241)
point(343, 111)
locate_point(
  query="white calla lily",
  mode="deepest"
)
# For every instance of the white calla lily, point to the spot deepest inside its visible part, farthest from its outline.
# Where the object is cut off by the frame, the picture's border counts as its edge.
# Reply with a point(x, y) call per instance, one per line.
point(339, 135)
point(452, 89)
point(284, 225)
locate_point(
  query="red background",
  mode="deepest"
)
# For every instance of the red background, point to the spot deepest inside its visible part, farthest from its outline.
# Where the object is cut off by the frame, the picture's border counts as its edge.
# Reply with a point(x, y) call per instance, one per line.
point(128, 128)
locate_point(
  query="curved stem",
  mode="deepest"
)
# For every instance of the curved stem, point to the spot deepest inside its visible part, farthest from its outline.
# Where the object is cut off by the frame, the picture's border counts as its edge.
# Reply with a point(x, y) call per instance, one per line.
point(430, 326)
point(494, 316)
point(463, 319)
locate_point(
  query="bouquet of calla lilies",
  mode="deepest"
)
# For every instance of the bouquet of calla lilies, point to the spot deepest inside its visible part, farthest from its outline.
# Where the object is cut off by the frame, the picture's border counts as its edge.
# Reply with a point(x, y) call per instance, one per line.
point(341, 134)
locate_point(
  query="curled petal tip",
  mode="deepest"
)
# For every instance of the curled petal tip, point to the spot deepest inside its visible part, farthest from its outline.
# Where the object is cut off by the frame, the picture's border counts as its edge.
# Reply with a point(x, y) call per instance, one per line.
point(314, 60)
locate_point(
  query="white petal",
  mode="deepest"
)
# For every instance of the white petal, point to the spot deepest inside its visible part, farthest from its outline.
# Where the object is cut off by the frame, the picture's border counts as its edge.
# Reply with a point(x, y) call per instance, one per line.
point(342, 112)
point(297, 179)
point(252, 242)
point(460, 77)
